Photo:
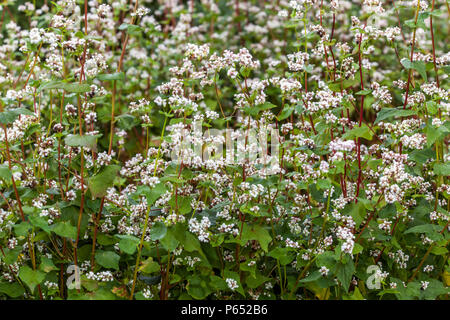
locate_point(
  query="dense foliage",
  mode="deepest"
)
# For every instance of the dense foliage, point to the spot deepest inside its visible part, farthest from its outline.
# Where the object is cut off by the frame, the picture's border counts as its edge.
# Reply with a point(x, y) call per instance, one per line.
point(113, 114)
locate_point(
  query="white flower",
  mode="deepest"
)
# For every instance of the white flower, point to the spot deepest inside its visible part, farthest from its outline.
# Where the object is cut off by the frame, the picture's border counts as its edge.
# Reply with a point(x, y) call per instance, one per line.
point(232, 284)
point(424, 284)
point(324, 271)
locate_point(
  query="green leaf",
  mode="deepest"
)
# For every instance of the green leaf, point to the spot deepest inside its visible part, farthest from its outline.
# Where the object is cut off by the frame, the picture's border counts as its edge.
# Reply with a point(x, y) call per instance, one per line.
point(72, 214)
point(256, 232)
point(10, 255)
point(257, 281)
point(65, 229)
point(31, 277)
point(131, 28)
point(128, 243)
point(323, 184)
point(326, 259)
point(424, 228)
point(374, 164)
point(77, 87)
point(74, 87)
point(169, 241)
point(150, 266)
point(358, 132)
point(183, 203)
point(355, 296)
point(39, 222)
point(287, 111)
point(123, 26)
point(47, 265)
point(357, 211)
point(431, 230)
point(432, 107)
point(22, 228)
point(436, 133)
point(344, 273)
point(435, 288)
point(5, 173)
point(14, 290)
point(442, 169)
point(112, 76)
point(53, 84)
point(416, 65)
point(283, 255)
point(75, 140)
point(126, 121)
point(155, 193)
point(244, 266)
point(364, 92)
point(411, 23)
point(387, 113)
point(438, 13)
point(10, 115)
point(99, 183)
point(191, 243)
point(255, 110)
point(357, 248)
point(439, 251)
point(245, 72)
point(344, 83)
point(106, 239)
point(422, 156)
point(388, 211)
point(311, 277)
point(198, 287)
point(107, 259)
point(158, 231)
point(218, 283)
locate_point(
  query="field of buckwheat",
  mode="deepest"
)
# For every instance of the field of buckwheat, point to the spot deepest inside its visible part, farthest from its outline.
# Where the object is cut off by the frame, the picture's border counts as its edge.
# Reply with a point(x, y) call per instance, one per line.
point(224, 149)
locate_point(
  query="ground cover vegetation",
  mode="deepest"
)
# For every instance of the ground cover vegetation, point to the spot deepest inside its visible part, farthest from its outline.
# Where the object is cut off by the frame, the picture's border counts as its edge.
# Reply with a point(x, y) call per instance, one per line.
point(348, 200)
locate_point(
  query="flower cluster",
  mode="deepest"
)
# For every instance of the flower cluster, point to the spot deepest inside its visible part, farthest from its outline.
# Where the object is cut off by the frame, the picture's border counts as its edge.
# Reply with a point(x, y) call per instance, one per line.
point(224, 149)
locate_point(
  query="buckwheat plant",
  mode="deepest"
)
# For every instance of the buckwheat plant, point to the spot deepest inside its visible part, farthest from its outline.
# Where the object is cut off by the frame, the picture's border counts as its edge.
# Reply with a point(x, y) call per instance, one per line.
point(229, 149)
